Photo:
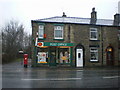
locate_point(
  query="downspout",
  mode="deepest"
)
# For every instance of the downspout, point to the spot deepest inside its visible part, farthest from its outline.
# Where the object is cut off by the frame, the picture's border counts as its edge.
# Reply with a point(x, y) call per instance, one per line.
point(102, 43)
point(35, 49)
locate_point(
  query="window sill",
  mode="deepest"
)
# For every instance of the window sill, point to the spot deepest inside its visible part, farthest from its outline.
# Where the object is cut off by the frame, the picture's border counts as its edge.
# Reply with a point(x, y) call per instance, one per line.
point(94, 61)
point(63, 63)
point(59, 39)
point(94, 46)
point(42, 63)
point(94, 40)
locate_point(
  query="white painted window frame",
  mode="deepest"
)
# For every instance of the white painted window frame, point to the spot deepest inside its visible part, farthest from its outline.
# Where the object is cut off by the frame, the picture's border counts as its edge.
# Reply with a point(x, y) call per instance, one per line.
point(94, 30)
point(58, 28)
point(41, 27)
point(94, 51)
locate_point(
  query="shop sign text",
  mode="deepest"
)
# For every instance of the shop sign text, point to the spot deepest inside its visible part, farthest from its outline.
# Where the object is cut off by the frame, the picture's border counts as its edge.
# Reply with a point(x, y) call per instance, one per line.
point(57, 44)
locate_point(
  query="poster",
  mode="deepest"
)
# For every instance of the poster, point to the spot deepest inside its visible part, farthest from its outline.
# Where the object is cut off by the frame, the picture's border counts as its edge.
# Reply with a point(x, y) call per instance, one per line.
point(42, 57)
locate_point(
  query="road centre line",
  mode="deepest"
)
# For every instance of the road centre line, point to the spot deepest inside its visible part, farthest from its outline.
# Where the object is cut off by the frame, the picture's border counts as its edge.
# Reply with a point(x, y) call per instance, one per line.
point(53, 79)
point(111, 77)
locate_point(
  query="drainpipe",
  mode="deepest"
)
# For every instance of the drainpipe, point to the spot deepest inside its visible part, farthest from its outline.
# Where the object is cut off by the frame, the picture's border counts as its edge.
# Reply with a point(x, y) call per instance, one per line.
point(35, 48)
point(102, 44)
point(102, 53)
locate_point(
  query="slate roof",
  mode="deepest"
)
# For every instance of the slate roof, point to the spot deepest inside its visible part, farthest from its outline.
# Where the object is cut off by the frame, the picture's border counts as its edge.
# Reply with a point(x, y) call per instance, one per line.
point(75, 20)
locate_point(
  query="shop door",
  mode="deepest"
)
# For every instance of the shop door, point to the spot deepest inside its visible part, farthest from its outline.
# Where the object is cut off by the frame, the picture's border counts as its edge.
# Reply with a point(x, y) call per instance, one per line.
point(79, 58)
point(52, 57)
point(110, 59)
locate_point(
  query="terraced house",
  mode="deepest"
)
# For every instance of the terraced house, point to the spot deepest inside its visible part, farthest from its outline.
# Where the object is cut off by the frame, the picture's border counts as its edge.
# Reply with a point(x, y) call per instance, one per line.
point(76, 42)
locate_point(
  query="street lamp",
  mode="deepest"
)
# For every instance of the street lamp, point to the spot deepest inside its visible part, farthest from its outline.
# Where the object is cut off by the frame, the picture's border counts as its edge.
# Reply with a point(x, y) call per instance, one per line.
point(21, 52)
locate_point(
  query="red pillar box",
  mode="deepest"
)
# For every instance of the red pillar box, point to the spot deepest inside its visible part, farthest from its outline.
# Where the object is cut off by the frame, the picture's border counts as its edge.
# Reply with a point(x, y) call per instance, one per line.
point(25, 60)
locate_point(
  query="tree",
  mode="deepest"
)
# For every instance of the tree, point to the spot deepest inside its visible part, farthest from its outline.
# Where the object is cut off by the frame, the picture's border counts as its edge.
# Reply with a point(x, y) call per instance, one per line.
point(27, 43)
point(12, 40)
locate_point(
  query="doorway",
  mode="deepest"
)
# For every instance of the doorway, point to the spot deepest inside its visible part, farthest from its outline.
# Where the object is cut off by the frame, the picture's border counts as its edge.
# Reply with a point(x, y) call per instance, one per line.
point(79, 56)
point(52, 55)
point(109, 56)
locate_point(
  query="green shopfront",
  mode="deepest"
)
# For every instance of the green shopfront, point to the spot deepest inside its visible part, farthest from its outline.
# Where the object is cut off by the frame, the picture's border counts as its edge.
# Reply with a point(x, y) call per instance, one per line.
point(54, 53)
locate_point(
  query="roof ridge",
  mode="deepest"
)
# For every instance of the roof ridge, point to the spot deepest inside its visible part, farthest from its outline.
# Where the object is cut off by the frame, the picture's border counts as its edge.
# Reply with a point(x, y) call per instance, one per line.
point(72, 17)
point(77, 17)
point(106, 19)
point(48, 18)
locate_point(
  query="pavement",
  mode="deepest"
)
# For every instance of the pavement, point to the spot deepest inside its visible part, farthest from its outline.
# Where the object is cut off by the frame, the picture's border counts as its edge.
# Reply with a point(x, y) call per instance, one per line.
point(15, 65)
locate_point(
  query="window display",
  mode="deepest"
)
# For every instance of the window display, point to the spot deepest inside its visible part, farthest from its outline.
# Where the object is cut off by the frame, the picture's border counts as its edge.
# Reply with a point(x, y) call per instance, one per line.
point(42, 57)
point(64, 55)
point(59, 55)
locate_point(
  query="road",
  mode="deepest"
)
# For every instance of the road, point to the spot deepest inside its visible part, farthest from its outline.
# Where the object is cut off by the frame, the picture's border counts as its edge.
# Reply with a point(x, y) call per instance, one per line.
point(15, 76)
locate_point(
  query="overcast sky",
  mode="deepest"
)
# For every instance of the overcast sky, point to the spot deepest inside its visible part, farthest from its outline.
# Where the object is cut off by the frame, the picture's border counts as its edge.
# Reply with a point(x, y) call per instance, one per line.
point(26, 10)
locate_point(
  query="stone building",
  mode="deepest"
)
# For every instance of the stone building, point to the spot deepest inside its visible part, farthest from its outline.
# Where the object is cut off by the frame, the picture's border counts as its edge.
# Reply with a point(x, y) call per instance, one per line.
point(75, 41)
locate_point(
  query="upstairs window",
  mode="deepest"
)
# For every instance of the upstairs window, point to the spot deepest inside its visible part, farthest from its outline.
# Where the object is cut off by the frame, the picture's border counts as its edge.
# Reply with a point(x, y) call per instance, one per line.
point(41, 31)
point(93, 54)
point(93, 34)
point(58, 32)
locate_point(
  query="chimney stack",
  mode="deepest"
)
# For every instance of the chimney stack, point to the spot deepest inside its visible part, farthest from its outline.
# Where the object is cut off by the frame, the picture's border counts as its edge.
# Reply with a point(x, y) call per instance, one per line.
point(64, 15)
point(93, 16)
point(117, 19)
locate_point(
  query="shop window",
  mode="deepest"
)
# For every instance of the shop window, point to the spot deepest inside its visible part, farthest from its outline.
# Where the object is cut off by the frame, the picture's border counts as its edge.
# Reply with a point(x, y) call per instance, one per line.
point(93, 54)
point(64, 55)
point(58, 32)
point(93, 34)
point(41, 31)
point(42, 55)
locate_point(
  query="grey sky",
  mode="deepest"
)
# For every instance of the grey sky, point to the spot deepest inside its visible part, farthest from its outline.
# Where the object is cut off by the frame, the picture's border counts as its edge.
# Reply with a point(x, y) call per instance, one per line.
point(26, 10)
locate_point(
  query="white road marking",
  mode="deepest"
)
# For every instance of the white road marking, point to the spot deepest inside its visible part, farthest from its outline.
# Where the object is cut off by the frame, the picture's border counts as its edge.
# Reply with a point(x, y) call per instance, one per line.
point(111, 77)
point(54, 79)
point(79, 70)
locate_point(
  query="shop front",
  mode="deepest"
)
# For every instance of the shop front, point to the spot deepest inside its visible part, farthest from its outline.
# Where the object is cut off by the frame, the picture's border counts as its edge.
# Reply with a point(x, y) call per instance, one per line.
point(54, 53)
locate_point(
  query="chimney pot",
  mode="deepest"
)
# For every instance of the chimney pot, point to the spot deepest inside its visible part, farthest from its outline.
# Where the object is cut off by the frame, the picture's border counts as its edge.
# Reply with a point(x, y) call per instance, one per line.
point(93, 9)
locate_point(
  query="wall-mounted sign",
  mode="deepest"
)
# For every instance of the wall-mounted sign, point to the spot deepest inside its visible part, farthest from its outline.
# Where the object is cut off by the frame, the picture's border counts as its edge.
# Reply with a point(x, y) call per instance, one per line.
point(56, 44)
point(40, 44)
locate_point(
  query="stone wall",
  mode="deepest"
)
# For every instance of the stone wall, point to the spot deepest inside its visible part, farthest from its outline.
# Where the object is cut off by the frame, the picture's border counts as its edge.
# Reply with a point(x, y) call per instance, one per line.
point(80, 34)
